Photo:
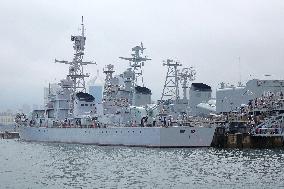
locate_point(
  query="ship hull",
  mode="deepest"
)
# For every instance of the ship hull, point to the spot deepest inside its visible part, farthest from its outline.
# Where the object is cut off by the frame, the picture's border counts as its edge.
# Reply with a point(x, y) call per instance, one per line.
point(125, 136)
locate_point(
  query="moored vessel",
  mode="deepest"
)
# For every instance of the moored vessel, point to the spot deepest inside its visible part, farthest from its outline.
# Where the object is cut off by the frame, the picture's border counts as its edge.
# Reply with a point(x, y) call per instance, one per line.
point(128, 117)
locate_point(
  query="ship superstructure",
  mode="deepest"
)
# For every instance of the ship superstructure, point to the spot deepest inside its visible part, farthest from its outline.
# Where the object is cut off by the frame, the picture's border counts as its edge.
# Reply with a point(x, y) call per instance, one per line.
point(123, 97)
point(176, 79)
point(75, 80)
point(68, 101)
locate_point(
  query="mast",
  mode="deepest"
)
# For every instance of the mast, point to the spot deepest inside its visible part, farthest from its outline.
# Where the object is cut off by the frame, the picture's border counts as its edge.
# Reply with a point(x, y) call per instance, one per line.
point(171, 86)
point(108, 70)
point(186, 74)
point(136, 62)
point(76, 66)
point(83, 28)
point(240, 72)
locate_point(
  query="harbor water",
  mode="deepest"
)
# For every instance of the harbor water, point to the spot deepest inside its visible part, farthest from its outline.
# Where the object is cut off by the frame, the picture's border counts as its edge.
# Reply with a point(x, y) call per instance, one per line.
point(52, 165)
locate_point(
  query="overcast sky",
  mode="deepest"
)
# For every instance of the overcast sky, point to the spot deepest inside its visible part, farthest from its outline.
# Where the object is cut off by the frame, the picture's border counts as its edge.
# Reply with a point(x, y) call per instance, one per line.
point(207, 34)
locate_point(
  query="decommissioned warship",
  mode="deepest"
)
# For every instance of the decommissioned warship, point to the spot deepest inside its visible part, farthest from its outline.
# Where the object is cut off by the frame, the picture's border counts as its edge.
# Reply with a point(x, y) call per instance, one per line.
point(128, 118)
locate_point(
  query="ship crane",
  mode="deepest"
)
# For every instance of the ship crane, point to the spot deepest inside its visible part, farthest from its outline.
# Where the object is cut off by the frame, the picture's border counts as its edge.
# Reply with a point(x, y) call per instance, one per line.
point(137, 61)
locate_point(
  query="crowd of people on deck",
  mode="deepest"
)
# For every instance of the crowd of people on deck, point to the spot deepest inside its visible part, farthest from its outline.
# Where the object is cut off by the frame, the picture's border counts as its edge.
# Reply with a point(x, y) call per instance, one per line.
point(267, 102)
point(256, 114)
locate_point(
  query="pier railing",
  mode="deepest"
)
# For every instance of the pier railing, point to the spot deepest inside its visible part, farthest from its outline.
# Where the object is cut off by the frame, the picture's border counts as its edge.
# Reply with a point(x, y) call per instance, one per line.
point(272, 126)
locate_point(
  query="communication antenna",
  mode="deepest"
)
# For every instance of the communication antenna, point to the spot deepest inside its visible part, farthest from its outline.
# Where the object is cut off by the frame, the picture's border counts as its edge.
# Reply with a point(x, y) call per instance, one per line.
point(136, 62)
point(186, 74)
point(240, 72)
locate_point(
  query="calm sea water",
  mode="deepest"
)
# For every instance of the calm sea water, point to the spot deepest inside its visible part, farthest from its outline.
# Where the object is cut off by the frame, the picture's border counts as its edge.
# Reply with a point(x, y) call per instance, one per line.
point(50, 165)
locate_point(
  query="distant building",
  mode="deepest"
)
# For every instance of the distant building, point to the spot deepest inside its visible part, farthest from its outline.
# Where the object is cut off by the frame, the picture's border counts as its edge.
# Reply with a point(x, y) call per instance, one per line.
point(6, 118)
point(26, 109)
point(35, 107)
point(96, 88)
point(97, 92)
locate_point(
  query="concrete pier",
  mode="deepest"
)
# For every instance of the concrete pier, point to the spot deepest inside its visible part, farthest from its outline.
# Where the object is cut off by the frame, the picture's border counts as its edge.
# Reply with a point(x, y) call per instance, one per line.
point(246, 140)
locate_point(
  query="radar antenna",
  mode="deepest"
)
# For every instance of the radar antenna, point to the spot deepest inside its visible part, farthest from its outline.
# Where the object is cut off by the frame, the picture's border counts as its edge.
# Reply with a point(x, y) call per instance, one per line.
point(186, 74)
point(136, 62)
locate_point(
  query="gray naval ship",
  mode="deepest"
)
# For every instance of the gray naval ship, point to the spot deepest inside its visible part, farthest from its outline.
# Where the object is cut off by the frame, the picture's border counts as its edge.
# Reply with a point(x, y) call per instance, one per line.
point(128, 116)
